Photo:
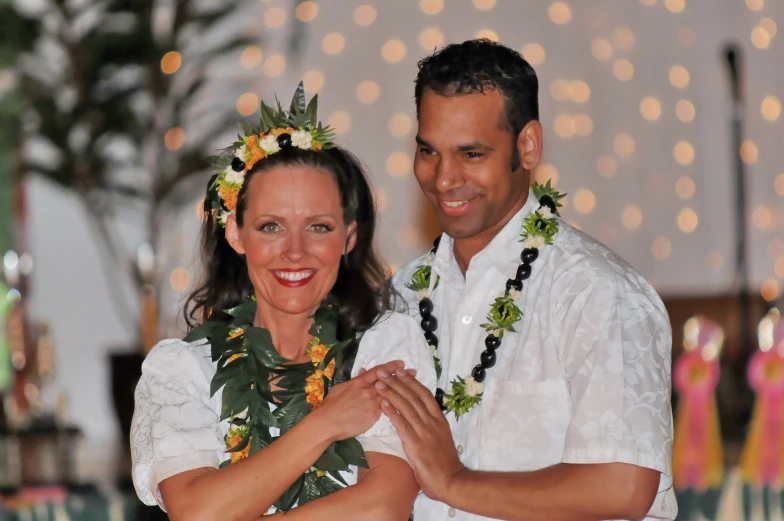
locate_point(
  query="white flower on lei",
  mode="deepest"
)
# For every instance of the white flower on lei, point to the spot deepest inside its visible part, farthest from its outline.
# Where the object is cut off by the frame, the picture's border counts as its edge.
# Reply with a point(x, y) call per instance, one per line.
point(534, 241)
point(545, 212)
point(242, 415)
point(302, 139)
point(232, 177)
point(472, 387)
point(514, 295)
point(269, 144)
point(434, 350)
point(428, 260)
point(422, 293)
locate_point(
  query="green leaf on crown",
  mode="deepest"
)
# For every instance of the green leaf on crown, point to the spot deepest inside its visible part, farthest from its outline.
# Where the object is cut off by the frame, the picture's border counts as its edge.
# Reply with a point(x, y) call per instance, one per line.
point(298, 100)
point(311, 111)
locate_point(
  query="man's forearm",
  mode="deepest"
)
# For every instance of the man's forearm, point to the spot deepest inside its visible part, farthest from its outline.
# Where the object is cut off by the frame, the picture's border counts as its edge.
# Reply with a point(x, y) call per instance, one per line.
point(591, 492)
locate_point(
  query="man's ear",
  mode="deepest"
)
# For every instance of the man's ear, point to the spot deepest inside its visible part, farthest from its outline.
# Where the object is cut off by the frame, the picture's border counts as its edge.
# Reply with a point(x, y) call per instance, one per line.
point(529, 145)
point(233, 234)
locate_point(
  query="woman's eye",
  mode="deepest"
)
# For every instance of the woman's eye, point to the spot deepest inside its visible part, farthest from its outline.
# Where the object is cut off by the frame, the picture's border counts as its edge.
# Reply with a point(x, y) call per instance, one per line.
point(321, 228)
point(270, 227)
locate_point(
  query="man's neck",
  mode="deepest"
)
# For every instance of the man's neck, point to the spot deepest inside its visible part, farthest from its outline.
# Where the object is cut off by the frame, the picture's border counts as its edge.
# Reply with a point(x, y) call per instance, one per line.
point(465, 249)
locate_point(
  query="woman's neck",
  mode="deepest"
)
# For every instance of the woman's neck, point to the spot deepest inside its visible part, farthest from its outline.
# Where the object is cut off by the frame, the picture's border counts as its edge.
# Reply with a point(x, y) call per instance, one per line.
point(290, 332)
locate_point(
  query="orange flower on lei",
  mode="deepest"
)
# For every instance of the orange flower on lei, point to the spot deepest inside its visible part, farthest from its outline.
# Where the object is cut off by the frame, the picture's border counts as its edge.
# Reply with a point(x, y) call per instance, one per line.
point(317, 353)
point(234, 439)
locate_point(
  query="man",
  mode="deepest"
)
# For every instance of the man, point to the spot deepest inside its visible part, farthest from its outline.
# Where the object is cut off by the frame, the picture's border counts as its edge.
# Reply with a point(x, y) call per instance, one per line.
point(574, 419)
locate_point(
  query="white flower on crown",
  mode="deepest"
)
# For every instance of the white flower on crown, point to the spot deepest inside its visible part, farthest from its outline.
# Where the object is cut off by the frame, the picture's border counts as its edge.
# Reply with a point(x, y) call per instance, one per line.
point(269, 144)
point(240, 152)
point(232, 177)
point(534, 241)
point(472, 387)
point(422, 293)
point(545, 212)
point(302, 139)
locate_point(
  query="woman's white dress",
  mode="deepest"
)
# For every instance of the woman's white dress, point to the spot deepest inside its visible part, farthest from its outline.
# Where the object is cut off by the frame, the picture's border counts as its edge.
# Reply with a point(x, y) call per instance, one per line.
point(176, 424)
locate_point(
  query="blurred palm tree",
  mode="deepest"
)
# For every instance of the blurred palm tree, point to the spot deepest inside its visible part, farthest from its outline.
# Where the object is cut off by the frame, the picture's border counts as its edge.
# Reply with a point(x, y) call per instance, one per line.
point(116, 112)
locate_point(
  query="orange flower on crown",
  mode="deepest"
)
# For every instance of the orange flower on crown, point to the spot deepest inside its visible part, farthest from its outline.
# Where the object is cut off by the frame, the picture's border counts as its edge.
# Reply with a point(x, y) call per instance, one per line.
point(229, 195)
point(317, 353)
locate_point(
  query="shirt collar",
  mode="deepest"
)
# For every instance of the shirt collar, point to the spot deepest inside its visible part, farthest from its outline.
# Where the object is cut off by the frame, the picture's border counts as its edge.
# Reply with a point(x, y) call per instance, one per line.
point(503, 252)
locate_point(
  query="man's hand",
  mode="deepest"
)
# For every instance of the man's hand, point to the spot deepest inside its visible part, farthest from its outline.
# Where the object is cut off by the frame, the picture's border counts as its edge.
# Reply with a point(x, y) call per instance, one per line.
point(424, 431)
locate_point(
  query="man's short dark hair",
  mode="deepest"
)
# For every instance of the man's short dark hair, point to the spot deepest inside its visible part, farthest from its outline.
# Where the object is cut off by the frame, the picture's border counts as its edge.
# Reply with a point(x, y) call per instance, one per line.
point(476, 65)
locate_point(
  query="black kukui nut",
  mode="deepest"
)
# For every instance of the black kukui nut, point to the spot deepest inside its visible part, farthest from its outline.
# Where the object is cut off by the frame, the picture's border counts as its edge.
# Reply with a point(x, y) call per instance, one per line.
point(432, 340)
point(523, 272)
point(487, 358)
point(284, 140)
point(479, 373)
point(440, 398)
point(436, 242)
point(429, 323)
point(547, 201)
point(425, 306)
point(514, 284)
point(529, 255)
point(492, 342)
point(237, 164)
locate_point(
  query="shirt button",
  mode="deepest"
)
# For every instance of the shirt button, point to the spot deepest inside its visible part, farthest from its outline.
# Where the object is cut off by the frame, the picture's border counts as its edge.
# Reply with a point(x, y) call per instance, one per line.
point(452, 512)
point(460, 450)
point(467, 320)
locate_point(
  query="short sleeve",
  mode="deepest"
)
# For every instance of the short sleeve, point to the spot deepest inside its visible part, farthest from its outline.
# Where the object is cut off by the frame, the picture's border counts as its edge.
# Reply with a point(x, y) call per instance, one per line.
point(174, 427)
point(395, 337)
point(615, 344)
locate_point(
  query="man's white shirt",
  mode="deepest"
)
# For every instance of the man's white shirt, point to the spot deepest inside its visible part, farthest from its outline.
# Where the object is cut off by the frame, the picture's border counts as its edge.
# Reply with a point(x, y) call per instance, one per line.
point(586, 377)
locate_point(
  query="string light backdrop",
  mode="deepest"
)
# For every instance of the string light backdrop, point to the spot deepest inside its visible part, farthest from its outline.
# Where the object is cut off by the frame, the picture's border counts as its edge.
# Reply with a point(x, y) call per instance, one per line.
point(635, 105)
point(634, 102)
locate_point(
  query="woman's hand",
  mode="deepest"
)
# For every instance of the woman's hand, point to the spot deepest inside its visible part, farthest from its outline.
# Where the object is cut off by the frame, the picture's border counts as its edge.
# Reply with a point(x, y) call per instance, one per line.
point(352, 407)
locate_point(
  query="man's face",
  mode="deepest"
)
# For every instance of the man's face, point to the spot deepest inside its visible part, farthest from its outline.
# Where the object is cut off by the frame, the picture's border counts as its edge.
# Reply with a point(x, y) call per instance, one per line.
point(463, 162)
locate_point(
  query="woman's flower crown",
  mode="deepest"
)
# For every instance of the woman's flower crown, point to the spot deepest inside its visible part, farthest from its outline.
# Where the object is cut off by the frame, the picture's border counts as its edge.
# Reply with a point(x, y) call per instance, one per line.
point(279, 129)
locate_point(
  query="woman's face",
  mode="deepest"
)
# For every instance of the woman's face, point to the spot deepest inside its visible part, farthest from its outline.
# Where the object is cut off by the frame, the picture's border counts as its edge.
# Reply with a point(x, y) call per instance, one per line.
point(293, 237)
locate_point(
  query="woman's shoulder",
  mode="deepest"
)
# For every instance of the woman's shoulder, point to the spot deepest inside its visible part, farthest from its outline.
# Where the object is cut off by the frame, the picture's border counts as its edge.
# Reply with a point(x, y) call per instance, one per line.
point(176, 357)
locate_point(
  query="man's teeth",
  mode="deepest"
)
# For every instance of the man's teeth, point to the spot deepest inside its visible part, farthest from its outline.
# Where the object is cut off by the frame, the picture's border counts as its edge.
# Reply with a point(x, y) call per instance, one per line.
point(294, 275)
point(454, 204)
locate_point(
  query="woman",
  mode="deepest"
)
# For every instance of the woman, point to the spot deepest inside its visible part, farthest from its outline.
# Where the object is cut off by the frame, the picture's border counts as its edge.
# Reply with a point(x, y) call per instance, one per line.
point(295, 302)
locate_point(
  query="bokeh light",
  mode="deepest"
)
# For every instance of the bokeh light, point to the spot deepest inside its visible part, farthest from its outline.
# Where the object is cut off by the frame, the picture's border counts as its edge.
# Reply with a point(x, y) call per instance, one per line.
point(683, 153)
point(313, 81)
point(584, 201)
point(631, 216)
point(431, 6)
point(685, 188)
point(274, 17)
point(365, 15)
point(679, 76)
point(170, 63)
point(749, 152)
point(601, 49)
point(533, 53)
point(606, 166)
point(579, 91)
point(174, 138)
point(340, 121)
point(251, 57)
point(333, 43)
point(624, 145)
point(180, 279)
point(687, 220)
point(368, 91)
point(559, 13)
point(431, 38)
point(623, 69)
point(307, 11)
point(685, 111)
point(650, 108)
point(488, 34)
point(275, 65)
point(770, 290)
point(675, 6)
point(661, 248)
point(247, 103)
point(400, 125)
point(771, 108)
point(398, 164)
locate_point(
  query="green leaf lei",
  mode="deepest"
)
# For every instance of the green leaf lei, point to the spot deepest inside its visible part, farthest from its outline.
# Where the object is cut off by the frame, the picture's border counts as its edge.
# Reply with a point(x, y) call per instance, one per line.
point(247, 364)
point(539, 229)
